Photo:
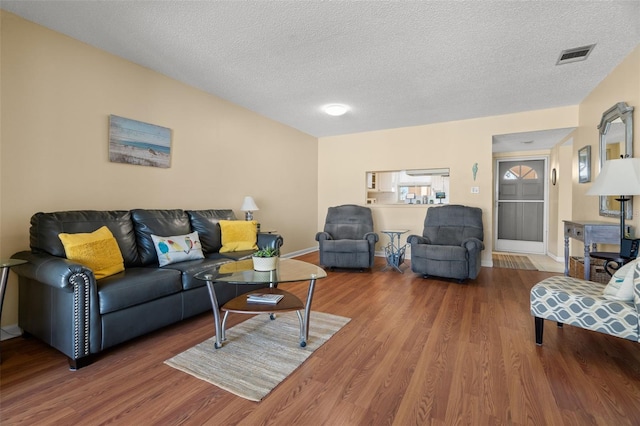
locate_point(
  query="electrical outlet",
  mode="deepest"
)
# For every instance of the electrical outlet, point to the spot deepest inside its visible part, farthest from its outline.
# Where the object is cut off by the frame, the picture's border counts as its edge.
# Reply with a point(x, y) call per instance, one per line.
point(475, 189)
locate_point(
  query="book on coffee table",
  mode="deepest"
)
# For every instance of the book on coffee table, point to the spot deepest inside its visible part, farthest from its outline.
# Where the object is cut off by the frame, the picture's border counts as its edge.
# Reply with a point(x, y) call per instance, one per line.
point(264, 298)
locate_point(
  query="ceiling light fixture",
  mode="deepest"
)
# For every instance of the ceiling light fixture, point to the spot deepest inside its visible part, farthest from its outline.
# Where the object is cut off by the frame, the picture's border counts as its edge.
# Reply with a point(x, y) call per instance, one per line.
point(336, 109)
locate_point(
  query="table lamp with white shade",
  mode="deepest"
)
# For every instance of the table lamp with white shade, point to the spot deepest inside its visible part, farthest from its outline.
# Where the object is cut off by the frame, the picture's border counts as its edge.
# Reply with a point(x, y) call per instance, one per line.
point(249, 206)
point(618, 178)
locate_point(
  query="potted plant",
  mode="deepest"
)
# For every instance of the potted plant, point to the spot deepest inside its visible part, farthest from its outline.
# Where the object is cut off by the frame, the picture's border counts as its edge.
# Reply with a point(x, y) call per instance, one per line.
point(265, 259)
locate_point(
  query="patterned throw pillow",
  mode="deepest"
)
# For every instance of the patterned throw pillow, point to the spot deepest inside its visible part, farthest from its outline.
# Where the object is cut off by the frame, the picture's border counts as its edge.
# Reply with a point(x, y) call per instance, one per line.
point(177, 248)
point(620, 285)
point(96, 250)
point(238, 235)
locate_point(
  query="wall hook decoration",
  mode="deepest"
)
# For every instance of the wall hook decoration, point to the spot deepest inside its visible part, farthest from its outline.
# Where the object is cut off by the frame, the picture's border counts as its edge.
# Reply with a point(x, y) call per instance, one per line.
point(475, 170)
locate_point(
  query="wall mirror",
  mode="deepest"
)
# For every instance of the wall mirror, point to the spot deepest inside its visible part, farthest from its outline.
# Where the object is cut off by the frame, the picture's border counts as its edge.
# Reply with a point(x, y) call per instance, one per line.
point(407, 187)
point(616, 141)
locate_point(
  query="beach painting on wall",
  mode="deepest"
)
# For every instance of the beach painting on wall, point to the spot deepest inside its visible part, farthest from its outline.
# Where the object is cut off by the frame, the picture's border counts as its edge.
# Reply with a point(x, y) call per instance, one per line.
point(135, 142)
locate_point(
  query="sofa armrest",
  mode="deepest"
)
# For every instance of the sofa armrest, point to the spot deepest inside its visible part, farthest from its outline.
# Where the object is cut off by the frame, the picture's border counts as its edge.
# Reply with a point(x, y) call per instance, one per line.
point(417, 239)
point(51, 270)
point(270, 240)
point(320, 236)
point(59, 304)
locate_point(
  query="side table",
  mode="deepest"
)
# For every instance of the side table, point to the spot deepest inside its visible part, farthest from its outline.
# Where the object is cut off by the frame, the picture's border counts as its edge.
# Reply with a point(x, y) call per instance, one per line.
point(6, 264)
point(590, 233)
point(393, 251)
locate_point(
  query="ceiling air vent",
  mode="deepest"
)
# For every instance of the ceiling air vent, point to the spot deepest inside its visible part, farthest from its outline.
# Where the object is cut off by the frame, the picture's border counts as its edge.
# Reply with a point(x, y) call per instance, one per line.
point(575, 54)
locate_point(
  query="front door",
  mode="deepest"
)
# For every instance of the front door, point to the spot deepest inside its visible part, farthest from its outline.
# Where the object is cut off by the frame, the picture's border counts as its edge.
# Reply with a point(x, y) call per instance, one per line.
point(521, 207)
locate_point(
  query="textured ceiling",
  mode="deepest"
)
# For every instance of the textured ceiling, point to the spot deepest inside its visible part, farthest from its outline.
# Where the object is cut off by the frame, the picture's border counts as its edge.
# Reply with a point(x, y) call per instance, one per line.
point(394, 63)
point(528, 141)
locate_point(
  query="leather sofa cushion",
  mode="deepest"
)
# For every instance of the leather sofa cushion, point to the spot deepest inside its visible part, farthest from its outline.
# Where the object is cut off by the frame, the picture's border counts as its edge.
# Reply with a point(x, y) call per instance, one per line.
point(45, 228)
point(191, 267)
point(206, 223)
point(157, 222)
point(237, 255)
point(136, 286)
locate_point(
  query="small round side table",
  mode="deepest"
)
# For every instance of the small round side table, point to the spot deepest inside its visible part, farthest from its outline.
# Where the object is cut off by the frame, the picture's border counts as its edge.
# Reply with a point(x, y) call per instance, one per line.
point(394, 252)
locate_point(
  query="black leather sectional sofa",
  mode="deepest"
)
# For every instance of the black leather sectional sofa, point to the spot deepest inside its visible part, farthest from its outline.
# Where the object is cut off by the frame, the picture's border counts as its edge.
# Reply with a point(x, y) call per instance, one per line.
point(61, 302)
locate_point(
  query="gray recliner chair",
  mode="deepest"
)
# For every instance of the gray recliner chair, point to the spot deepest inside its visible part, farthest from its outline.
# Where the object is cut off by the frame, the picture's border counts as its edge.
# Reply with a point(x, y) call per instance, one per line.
point(348, 240)
point(451, 243)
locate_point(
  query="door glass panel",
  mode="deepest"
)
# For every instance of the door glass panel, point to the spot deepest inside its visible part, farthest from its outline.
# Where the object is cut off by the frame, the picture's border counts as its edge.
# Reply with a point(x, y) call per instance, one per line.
point(522, 181)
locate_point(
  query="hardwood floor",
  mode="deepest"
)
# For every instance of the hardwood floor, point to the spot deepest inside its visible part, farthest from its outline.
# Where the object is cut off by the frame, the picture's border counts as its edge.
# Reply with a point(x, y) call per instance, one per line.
point(417, 351)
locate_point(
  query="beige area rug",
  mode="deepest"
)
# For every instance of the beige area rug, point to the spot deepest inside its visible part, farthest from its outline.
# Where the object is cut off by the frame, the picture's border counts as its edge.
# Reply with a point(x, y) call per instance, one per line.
point(511, 261)
point(258, 354)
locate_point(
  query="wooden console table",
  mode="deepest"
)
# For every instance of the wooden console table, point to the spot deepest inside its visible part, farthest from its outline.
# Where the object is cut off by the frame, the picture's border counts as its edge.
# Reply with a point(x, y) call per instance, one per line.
point(590, 233)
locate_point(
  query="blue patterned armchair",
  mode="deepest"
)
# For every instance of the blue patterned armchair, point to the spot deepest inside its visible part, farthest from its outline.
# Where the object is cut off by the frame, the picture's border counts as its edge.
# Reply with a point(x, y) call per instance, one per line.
point(581, 303)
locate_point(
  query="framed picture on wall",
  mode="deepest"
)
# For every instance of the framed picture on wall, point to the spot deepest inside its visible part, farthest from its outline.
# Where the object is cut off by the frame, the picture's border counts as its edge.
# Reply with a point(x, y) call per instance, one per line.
point(139, 143)
point(584, 164)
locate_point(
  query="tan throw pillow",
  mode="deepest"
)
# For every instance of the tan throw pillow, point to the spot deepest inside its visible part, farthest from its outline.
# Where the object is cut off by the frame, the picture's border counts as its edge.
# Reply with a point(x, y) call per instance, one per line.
point(238, 235)
point(96, 250)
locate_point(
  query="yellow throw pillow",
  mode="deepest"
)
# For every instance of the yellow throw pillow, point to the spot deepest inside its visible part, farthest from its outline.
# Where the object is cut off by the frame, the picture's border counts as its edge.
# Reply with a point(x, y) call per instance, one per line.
point(238, 235)
point(97, 251)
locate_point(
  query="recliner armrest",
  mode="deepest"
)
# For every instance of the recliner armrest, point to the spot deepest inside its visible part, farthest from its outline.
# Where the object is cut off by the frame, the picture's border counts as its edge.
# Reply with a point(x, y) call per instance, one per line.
point(473, 244)
point(372, 237)
point(51, 270)
point(323, 236)
point(417, 239)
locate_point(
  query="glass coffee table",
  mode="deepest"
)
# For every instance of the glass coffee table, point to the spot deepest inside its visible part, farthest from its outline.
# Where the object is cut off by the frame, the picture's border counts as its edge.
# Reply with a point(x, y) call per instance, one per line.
point(241, 272)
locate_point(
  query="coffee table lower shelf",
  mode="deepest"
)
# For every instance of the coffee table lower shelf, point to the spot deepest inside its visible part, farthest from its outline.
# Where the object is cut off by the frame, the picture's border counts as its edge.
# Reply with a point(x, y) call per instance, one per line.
point(290, 302)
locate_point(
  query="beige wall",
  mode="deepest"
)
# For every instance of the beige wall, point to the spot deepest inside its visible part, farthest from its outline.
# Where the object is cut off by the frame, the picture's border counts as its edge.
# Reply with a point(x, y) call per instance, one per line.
point(57, 95)
point(565, 197)
point(343, 161)
point(622, 85)
point(559, 195)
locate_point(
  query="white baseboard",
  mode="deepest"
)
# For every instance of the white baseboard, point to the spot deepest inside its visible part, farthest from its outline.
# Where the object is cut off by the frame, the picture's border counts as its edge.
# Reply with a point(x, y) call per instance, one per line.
point(300, 252)
point(10, 331)
point(556, 258)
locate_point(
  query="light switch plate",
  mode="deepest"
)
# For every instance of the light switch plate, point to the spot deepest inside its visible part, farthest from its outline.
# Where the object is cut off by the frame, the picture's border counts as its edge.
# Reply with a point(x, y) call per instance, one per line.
point(475, 189)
